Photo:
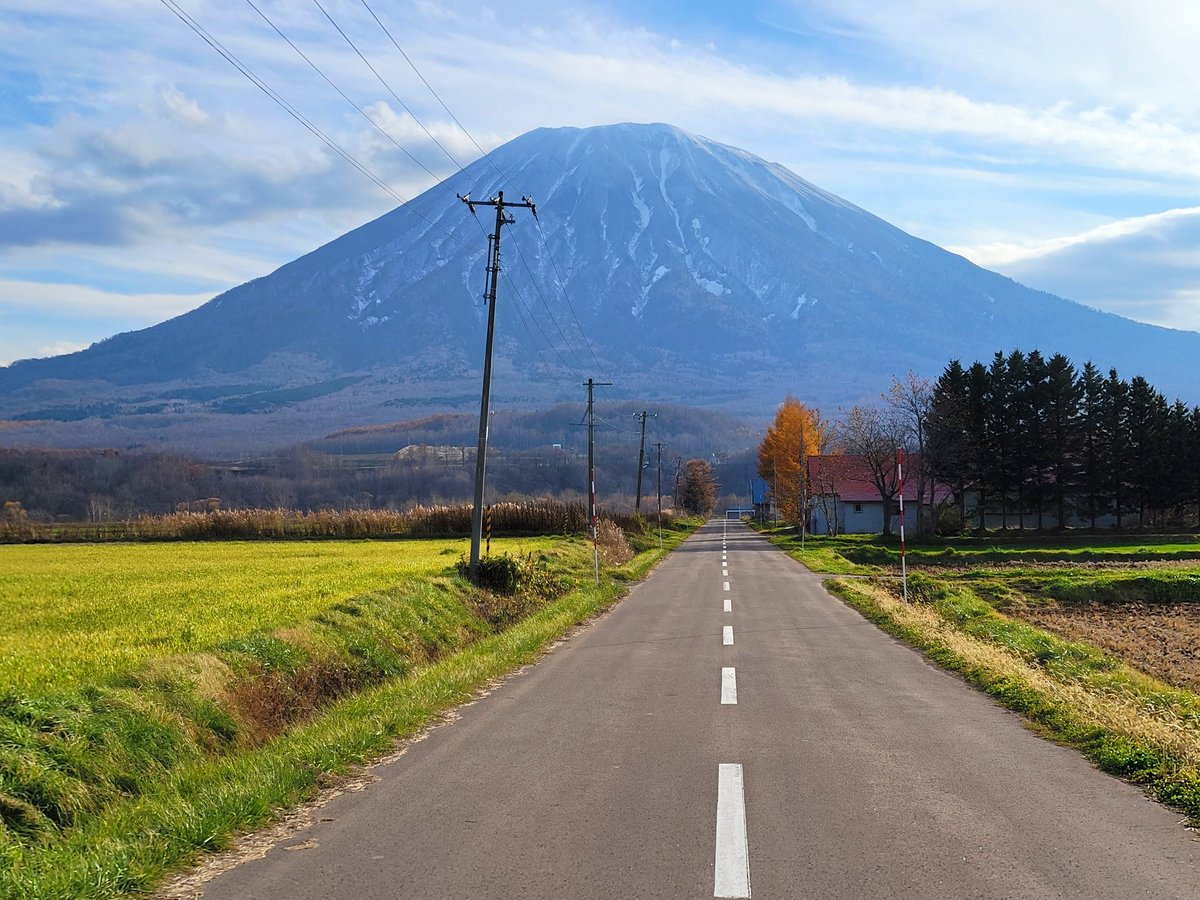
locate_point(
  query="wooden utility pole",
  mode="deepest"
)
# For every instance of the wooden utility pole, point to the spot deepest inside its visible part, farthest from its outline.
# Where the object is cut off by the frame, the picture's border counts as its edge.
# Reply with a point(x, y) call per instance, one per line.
point(591, 417)
point(637, 505)
point(493, 271)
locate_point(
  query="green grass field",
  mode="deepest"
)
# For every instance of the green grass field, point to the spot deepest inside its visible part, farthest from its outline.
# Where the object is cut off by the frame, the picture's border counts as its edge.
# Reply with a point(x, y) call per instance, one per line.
point(82, 613)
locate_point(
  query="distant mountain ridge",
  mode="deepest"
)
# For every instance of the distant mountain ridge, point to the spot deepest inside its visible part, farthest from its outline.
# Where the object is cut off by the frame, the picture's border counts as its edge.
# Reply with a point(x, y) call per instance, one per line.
point(699, 273)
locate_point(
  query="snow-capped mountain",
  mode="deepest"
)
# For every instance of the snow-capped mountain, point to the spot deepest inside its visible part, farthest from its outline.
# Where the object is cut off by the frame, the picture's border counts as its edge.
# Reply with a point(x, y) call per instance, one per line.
point(698, 272)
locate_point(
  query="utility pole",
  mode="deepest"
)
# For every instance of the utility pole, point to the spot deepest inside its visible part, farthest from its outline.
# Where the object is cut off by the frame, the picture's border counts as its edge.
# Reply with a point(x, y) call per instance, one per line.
point(493, 271)
point(637, 505)
point(678, 476)
point(591, 416)
point(659, 446)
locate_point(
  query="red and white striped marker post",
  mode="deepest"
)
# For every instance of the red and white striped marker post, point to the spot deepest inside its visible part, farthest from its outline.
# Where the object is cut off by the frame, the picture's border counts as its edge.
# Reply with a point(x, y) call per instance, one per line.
point(903, 559)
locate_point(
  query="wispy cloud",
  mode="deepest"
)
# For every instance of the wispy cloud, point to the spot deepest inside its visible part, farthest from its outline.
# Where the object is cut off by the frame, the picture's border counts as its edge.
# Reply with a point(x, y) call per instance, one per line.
point(1144, 267)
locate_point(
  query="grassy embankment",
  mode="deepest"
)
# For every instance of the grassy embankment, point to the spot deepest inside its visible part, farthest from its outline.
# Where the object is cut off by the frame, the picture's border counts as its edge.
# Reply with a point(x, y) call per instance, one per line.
point(155, 700)
point(973, 612)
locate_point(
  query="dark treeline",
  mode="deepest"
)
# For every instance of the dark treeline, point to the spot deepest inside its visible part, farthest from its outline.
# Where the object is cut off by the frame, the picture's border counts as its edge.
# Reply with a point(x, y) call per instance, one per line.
point(1043, 444)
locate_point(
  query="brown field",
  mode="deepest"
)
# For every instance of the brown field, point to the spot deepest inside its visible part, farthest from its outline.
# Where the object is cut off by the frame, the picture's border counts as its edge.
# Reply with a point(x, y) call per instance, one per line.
point(1160, 639)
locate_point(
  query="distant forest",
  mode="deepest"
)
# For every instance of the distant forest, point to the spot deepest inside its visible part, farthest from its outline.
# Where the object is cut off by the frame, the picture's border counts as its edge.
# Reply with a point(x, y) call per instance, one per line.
point(539, 453)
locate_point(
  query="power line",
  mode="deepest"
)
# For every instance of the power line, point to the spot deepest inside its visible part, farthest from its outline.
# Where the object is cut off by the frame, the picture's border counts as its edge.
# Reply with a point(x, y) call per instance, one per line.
point(616, 427)
point(329, 81)
point(560, 283)
point(522, 305)
point(542, 297)
point(449, 156)
point(333, 145)
point(413, 66)
point(386, 86)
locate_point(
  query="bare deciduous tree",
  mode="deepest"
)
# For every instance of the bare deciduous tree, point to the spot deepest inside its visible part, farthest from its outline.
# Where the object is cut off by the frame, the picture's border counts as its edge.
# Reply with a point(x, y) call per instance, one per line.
point(912, 402)
point(873, 434)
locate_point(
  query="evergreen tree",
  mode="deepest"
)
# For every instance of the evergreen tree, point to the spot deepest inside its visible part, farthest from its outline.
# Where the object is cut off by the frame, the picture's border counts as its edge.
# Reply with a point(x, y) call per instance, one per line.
point(1144, 428)
point(1000, 428)
point(1115, 412)
point(1092, 437)
point(1062, 423)
point(1019, 418)
point(947, 445)
point(979, 399)
point(1175, 471)
point(1040, 458)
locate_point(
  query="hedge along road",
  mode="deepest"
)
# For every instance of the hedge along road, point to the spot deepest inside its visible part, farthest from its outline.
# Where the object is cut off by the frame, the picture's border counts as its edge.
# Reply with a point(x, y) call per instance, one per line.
point(703, 740)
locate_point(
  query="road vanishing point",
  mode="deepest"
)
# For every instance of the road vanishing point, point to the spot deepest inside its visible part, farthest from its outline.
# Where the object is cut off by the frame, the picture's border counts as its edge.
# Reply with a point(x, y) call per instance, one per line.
point(728, 730)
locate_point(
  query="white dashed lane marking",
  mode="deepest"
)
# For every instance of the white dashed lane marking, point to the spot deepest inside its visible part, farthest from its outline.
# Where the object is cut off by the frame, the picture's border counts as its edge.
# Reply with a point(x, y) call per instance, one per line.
point(728, 686)
point(731, 873)
point(727, 636)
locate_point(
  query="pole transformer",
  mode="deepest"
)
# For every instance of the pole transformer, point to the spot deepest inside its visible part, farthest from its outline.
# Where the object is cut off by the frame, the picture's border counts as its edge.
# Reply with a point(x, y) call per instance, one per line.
point(493, 273)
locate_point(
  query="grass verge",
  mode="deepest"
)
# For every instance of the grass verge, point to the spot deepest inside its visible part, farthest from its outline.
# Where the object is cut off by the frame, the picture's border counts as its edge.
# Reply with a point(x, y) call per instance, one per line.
point(104, 790)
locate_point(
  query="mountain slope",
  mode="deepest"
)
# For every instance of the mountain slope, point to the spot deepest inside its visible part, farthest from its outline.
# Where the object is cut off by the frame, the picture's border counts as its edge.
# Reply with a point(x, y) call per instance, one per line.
point(698, 272)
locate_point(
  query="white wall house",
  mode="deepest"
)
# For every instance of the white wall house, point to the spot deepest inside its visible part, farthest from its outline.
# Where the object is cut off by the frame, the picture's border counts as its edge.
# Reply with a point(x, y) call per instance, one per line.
point(845, 500)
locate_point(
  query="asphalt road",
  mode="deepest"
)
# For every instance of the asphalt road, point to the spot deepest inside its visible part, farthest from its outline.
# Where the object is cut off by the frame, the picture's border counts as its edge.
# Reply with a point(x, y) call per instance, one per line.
point(805, 754)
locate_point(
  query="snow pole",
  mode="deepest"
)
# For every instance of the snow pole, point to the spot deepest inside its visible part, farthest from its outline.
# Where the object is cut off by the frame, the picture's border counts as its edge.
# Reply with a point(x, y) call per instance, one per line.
point(903, 560)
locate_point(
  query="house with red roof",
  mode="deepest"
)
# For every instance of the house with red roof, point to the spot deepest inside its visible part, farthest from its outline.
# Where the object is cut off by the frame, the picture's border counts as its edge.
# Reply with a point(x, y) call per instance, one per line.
point(845, 498)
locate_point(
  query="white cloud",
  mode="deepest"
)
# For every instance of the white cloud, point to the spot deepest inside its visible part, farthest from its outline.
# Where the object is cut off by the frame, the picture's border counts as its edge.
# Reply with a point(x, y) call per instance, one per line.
point(1143, 267)
point(58, 299)
point(182, 109)
point(59, 348)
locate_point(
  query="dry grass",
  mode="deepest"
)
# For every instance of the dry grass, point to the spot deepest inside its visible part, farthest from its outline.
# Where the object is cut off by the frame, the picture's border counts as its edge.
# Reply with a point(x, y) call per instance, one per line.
point(612, 543)
point(531, 517)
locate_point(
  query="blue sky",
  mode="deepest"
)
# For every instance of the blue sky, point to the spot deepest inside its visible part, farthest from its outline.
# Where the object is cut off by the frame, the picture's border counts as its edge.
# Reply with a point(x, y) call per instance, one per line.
point(140, 174)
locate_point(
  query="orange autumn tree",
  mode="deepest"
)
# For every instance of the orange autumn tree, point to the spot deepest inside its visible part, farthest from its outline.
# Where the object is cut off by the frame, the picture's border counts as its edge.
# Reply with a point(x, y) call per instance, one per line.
point(798, 433)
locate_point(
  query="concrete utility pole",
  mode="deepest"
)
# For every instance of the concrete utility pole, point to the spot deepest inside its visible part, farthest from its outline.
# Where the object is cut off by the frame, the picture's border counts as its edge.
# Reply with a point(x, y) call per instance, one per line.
point(591, 417)
point(660, 446)
point(637, 505)
point(493, 271)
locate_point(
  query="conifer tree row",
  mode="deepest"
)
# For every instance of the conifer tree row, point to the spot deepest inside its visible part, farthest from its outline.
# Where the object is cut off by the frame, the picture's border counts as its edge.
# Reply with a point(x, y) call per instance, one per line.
point(1041, 443)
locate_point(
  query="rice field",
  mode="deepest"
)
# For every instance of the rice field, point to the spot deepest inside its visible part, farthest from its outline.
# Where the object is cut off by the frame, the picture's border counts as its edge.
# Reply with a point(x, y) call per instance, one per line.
point(82, 613)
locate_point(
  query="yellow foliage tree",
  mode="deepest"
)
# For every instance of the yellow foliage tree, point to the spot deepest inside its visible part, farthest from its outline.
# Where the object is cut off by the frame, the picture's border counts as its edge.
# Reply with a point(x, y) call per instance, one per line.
point(798, 433)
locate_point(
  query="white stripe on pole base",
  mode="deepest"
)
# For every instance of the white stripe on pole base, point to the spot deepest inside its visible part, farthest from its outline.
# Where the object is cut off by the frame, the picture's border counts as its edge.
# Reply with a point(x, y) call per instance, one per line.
point(728, 686)
point(731, 874)
point(727, 636)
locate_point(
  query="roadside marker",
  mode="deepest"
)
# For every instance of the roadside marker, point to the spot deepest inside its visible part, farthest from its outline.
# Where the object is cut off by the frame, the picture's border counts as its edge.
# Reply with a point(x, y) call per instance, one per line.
point(903, 559)
point(728, 686)
point(728, 605)
point(731, 873)
point(727, 636)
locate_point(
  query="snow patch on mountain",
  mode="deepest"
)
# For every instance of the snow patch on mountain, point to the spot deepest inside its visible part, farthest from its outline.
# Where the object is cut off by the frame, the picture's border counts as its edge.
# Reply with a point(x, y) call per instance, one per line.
point(804, 301)
point(644, 215)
